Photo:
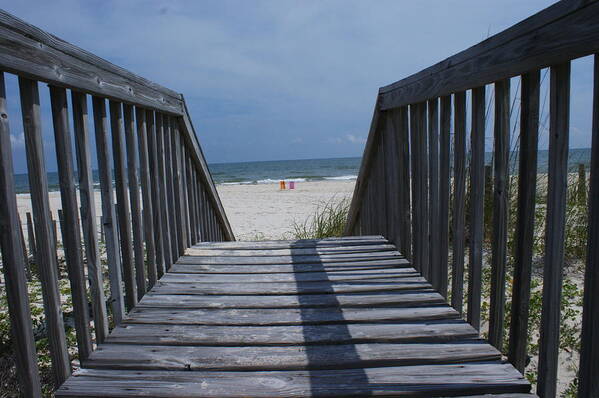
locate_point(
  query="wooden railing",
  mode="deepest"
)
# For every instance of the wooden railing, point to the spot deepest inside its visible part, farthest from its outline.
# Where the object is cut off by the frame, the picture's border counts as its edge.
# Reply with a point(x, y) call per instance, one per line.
point(153, 146)
point(403, 189)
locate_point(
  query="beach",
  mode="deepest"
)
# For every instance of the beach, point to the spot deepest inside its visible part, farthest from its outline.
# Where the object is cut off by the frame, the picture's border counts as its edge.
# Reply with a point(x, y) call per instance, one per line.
point(255, 211)
point(263, 211)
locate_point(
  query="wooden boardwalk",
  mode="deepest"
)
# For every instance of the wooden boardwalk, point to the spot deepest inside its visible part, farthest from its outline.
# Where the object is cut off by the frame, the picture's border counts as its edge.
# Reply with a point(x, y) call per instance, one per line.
point(335, 317)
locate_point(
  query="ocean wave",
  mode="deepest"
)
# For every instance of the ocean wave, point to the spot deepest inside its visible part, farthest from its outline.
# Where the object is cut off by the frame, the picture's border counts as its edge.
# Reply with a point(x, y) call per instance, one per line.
point(342, 178)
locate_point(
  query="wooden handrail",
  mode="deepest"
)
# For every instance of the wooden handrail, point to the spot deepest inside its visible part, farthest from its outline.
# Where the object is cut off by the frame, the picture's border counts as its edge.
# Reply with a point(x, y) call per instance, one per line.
point(420, 164)
point(145, 135)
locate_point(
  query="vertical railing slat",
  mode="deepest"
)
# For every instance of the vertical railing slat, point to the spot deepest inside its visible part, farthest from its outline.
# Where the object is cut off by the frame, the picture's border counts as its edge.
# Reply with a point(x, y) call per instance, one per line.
point(588, 384)
point(46, 248)
point(135, 201)
point(146, 192)
point(500, 212)
point(391, 149)
point(524, 235)
point(444, 184)
point(13, 264)
point(123, 209)
point(559, 123)
point(71, 237)
point(401, 124)
point(193, 238)
point(177, 189)
point(477, 194)
point(459, 199)
point(416, 180)
point(88, 214)
point(155, 183)
point(170, 193)
point(108, 210)
point(433, 193)
point(164, 196)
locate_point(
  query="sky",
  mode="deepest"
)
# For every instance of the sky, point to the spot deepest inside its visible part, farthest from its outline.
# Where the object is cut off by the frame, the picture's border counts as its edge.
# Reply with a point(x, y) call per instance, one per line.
point(280, 79)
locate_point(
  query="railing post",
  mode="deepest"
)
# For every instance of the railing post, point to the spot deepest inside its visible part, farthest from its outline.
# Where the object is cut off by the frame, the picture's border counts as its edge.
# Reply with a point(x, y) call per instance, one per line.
point(88, 214)
point(458, 216)
point(444, 184)
point(588, 382)
point(527, 186)
point(477, 194)
point(71, 237)
point(48, 268)
point(433, 197)
point(554, 234)
point(108, 210)
point(146, 191)
point(13, 264)
point(123, 210)
point(135, 201)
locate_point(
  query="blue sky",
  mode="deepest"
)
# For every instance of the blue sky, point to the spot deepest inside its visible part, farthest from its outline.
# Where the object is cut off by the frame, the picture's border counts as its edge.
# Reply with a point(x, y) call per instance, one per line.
point(279, 79)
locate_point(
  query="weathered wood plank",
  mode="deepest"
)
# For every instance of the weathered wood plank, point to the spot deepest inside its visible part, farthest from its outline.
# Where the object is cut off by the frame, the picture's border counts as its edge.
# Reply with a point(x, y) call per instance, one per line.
point(108, 210)
point(291, 251)
point(288, 268)
point(304, 316)
point(176, 187)
point(588, 384)
point(527, 188)
point(314, 357)
point(135, 201)
point(433, 380)
point(299, 259)
point(146, 192)
point(155, 184)
point(88, 214)
point(292, 288)
point(71, 237)
point(433, 193)
point(559, 125)
point(13, 264)
point(163, 193)
point(46, 259)
point(396, 298)
point(500, 211)
point(444, 188)
point(477, 196)
point(170, 202)
point(562, 32)
point(122, 203)
point(290, 335)
point(291, 277)
point(459, 199)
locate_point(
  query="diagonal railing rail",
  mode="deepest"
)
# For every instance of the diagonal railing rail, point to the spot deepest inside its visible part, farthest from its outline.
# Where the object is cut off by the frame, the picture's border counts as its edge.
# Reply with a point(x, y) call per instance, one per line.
point(403, 188)
point(166, 199)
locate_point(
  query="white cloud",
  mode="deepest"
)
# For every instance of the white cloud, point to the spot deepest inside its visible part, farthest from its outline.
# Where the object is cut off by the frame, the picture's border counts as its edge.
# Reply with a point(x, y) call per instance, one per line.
point(18, 141)
point(355, 140)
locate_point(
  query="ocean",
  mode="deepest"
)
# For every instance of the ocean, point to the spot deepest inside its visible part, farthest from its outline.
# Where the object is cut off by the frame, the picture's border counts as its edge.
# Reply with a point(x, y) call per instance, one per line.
point(268, 172)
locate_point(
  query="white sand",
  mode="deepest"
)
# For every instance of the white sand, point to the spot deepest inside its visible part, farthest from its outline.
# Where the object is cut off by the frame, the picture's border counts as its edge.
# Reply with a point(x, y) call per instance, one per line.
point(262, 211)
point(259, 211)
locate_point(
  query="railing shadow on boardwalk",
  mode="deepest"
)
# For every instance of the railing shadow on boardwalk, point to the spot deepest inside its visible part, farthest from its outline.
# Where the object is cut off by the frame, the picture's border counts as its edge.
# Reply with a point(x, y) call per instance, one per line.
point(339, 329)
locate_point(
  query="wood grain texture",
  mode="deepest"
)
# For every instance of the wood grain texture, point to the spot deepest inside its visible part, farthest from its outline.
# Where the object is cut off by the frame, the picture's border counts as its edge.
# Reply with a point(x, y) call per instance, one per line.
point(122, 202)
point(564, 31)
point(444, 190)
point(88, 214)
point(459, 198)
point(13, 264)
point(108, 211)
point(146, 192)
point(413, 381)
point(588, 384)
point(527, 188)
point(155, 184)
point(135, 201)
point(71, 237)
point(163, 194)
point(433, 193)
point(559, 125)
point(46, 248)
point(477, 195)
